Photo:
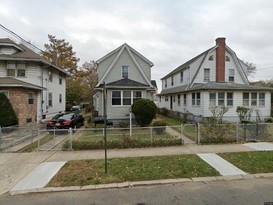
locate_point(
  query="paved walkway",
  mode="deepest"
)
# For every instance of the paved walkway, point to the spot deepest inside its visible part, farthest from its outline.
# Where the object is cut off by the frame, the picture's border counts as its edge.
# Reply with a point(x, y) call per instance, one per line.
point(14, 167)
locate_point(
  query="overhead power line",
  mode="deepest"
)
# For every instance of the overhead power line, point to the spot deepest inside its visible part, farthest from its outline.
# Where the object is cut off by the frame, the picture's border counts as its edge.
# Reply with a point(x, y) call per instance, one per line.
point(20, 38)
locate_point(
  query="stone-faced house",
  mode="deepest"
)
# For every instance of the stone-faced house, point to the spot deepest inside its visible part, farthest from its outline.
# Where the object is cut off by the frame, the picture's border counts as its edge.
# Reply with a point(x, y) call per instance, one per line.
point(127, 77)
point(34, 86)
point(216, 77)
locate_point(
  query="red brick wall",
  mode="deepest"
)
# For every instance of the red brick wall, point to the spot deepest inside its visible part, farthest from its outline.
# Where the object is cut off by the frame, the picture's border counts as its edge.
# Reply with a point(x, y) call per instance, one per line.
point(18, 98)
point(220, 59)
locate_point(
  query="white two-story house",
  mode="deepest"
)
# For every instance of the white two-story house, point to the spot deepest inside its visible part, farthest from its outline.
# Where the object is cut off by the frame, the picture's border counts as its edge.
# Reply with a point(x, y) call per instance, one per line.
point(34, 86)
point(216, 77)
point(127, 77)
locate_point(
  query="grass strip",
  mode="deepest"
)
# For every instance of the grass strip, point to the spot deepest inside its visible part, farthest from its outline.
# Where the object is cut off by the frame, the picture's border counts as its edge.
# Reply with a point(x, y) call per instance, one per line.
point(87, 172)
point(251, 162)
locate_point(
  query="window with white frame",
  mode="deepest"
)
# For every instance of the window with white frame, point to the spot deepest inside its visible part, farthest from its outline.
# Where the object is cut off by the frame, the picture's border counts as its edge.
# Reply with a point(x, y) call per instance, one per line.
point(137, 95)
point(116, 97)
point(253, 99)
point(231, 74)
point(227, 58)
point(206, 74)
point(212, 99)
point(125, 71)
point(30, 98)
point(178, 99)
point(172, 80)
point(211, 58)
point(245, 99)
point(196, 99)
point(262, 99)
point(221, 98)
point(166, 98)
point(181, 76)
point(185, 100)
point(50, 99)
point(21, 70)
point(229, 99)
point(166, 84)
point(11, 67)
point(125, 97)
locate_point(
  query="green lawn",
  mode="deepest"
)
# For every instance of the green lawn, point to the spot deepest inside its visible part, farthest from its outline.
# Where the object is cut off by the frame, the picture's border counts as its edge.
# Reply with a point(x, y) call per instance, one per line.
point(168, 120)
point(251, 162)
point(86, 172)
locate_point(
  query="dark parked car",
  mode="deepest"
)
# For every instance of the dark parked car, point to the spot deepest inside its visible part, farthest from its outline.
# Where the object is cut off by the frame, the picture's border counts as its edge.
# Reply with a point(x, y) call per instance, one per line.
point(75, 108)
point(66, 121)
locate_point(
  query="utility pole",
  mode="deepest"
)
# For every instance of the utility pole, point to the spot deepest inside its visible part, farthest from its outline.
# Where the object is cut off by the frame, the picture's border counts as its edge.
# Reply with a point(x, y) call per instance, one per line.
point(105, 125)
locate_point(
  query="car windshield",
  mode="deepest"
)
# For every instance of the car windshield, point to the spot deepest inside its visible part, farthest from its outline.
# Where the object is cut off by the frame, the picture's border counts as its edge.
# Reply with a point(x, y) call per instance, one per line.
point(66, 117)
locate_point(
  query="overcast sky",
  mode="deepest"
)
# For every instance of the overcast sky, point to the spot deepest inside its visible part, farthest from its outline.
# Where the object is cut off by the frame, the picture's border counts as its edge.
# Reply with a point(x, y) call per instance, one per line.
point(167, 32)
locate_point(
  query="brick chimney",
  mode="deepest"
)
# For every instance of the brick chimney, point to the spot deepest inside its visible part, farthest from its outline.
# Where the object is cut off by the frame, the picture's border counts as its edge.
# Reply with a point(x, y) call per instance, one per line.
point(220, 59)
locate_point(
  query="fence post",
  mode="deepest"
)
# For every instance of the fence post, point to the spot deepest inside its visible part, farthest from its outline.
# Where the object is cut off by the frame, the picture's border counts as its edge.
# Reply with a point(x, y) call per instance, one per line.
point(70, 139)
point(0, 138)
point(182, 130)
point(151, 134)
point(237, 132)
point(198, 133)
point(244, 132)
point(257, 131)
point(38, 137)
point(31, 140)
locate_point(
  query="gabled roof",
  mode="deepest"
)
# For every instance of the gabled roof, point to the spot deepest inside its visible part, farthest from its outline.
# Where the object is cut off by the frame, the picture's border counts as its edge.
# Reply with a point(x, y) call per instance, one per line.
point(215, 86)
point(119, 51)
point(7, 82)
point(124, 83)
point(187, 64)
point(24, 54)
point(119, 48)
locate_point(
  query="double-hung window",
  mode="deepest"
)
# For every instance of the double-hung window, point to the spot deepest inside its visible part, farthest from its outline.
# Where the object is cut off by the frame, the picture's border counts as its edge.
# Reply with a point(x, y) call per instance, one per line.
point(137, 95)
point(262, 99)
point(116, 97)
point(196, 99)
point(126, 98)
point(185, 100)
point(166, 83)
point(231, 74)
point(125, 71)
point(30, 98)
point(172, 80)
point(206, 75)
point(230, 99)
point(253, 99)
point(11, 67)
point(245, 99)
point(178, 99)
point(221, 98)
point(21, 70)
point(181, 76)
point(212, 99)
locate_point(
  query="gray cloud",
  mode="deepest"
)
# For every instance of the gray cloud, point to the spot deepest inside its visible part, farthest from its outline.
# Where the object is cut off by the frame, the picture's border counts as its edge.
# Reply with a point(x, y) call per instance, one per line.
point(167, 32)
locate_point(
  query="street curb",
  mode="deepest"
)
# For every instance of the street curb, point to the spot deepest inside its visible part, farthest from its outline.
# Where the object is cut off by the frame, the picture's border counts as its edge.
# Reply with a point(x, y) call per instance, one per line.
point(143, 183)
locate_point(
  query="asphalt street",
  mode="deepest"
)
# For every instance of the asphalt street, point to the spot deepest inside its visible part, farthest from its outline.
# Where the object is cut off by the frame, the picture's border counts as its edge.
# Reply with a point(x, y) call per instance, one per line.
point(252, 191)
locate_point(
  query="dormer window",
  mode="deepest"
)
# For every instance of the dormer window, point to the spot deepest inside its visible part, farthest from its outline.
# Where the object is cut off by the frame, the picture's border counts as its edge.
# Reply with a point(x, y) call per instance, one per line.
point(227, 58)
point(125, 71)
point(211, 58)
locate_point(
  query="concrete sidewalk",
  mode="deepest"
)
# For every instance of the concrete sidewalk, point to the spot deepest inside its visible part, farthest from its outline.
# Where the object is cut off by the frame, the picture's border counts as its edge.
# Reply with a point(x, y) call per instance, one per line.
point(15, 166)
